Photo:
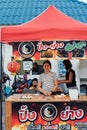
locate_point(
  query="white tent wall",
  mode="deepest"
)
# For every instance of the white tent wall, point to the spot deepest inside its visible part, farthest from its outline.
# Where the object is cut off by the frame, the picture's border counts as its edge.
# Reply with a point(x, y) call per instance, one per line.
point(75, 66)
point(54, 67)
point(7, 54)
point(83, 76)
point(83, 70)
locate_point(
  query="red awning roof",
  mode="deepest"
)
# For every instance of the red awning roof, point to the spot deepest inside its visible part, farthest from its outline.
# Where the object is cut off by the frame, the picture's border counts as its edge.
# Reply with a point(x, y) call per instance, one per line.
point(50, 25)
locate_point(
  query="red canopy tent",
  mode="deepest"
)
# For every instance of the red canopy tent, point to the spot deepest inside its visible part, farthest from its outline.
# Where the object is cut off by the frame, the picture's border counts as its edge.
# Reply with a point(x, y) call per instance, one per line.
point(50, 25)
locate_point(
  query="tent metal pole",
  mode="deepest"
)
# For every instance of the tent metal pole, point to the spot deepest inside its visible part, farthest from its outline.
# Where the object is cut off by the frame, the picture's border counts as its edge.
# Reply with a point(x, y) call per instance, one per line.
point(1, 86)
point(0, 82)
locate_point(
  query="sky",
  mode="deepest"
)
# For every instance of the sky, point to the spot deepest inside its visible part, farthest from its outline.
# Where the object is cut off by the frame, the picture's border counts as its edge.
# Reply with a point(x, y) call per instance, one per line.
point(85, 1)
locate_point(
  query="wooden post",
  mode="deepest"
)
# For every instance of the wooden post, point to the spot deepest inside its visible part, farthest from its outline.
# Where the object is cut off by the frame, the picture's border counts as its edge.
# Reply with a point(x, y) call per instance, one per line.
point(8, 115)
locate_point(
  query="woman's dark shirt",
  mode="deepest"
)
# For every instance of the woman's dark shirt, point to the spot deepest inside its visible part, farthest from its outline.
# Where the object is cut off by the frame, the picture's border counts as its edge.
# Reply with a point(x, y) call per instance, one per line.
point(73, 84)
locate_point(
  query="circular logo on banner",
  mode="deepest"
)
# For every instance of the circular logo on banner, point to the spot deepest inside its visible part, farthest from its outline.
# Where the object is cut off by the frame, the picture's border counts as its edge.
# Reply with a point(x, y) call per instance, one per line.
point(26, 49)
point(48, 112)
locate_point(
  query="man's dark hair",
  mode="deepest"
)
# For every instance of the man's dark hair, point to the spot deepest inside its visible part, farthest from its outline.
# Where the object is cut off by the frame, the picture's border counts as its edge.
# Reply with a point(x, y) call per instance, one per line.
point(34, 79)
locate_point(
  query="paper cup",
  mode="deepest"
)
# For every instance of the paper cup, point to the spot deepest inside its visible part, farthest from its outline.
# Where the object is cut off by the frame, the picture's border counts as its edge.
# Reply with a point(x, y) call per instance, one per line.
point(73, 93)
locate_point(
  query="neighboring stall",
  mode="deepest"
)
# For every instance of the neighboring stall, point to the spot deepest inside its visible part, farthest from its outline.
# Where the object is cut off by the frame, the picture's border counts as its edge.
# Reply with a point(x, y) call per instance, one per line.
point(54, 36)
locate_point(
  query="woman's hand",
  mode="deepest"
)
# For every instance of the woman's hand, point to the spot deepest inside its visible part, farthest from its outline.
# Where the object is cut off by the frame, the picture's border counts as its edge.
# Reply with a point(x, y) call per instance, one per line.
point(49, 93)
point(45, 93)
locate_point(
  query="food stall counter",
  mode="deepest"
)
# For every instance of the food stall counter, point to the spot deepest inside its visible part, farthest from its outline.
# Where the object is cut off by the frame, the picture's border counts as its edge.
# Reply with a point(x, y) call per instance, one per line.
point(40, 106)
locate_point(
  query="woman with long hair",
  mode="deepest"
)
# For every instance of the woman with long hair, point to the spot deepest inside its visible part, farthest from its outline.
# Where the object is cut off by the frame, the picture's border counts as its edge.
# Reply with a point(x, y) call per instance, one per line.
point(48, 81)
point(70, 78)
